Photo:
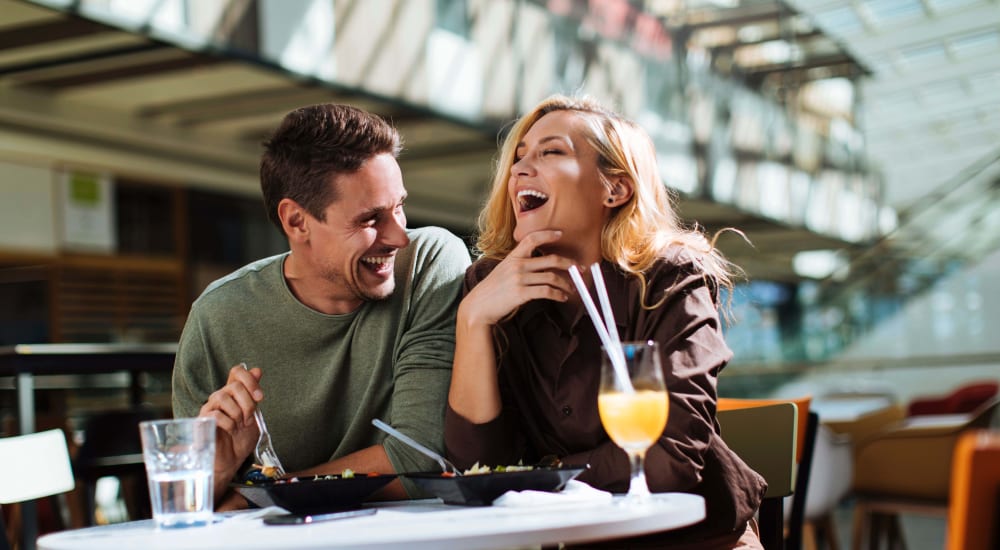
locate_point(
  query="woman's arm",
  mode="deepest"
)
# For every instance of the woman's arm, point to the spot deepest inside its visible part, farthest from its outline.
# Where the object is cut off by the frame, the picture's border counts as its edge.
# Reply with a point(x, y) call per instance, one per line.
point(517, 279)
point(474, 400)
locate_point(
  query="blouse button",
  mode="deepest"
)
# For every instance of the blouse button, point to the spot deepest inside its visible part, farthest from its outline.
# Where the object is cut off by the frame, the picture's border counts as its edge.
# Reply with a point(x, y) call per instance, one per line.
point(567, 410)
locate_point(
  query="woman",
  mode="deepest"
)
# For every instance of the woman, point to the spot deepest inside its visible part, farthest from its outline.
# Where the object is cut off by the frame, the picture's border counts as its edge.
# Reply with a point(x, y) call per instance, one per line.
point(577, 184)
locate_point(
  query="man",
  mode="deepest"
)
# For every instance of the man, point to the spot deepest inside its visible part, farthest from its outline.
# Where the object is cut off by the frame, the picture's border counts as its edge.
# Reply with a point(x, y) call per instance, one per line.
point(331, 341)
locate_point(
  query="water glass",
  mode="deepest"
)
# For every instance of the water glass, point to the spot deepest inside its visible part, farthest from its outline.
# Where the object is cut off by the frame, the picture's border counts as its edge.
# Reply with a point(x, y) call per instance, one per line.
point(179, 455)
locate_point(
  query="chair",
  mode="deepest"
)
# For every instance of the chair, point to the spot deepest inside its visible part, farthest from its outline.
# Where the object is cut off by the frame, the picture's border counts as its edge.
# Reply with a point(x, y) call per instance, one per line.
point(974, 503)
point(764, 437)
point(112, 447)
point(906, 468)
point(829, 482)
point(965, 399)
point(807, 423)
point(35, 465)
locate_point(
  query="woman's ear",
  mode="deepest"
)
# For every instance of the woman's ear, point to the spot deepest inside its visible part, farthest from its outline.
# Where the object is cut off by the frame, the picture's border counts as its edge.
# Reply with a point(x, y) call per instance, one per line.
point(619, 191)
point(293, 219)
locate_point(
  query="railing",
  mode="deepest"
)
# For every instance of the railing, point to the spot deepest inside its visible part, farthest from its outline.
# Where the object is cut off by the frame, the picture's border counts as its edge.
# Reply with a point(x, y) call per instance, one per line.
point(928, 289)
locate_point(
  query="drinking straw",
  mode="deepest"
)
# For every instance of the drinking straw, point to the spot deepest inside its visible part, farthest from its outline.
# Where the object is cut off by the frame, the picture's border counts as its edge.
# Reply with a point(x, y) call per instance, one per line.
point(614, 352)
point(602, 295)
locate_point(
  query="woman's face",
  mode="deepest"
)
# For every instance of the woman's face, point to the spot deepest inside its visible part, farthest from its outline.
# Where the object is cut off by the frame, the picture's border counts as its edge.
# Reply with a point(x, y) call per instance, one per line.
point(555, 184)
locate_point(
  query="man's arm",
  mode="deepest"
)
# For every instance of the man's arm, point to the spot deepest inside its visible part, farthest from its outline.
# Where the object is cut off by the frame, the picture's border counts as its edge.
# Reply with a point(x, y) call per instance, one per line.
point(426, 350)
point(197, 390)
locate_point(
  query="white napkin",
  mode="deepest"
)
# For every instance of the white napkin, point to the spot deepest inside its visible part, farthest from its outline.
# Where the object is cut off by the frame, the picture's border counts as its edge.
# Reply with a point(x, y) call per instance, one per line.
point(574, 492)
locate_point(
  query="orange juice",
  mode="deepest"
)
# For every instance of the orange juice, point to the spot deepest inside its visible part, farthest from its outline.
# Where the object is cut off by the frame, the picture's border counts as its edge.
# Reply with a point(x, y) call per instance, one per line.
point(634, 420)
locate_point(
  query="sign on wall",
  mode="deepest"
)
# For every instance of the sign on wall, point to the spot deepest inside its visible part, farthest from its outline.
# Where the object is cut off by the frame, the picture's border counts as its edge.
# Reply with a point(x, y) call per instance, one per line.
point(88, 212)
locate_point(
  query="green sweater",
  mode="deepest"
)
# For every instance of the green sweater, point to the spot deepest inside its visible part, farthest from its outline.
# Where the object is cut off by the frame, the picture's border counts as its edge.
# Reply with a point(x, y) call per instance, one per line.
point(325, 377)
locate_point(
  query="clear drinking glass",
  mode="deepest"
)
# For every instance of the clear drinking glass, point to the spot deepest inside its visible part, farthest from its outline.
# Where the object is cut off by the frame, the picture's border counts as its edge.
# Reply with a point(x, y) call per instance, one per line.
point(634, 417)
point(179, 455)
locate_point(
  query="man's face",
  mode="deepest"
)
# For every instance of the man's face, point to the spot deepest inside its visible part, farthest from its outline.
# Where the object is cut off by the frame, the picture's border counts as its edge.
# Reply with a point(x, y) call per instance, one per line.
point(354, 249)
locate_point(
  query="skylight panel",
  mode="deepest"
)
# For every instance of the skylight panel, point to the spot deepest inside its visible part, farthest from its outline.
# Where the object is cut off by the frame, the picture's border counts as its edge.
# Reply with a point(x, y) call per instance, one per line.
point(939, 6)
point(982, 83)
point(898, 101)
point(893, 12)
point(948, 92)
point(882, 65)
point(975, 44)
point(924, 56)
point(840, 21)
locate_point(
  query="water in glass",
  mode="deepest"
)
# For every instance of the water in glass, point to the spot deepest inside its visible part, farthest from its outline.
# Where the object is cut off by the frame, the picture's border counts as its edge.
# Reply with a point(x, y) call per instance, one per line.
point(179, 456)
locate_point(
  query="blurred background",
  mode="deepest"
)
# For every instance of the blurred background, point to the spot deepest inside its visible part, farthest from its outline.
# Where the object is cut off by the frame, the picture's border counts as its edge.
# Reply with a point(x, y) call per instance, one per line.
point(855, 143)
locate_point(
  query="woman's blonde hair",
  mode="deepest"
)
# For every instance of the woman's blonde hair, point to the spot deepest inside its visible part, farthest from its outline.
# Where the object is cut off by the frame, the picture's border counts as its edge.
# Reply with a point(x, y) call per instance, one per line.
point(639, 231)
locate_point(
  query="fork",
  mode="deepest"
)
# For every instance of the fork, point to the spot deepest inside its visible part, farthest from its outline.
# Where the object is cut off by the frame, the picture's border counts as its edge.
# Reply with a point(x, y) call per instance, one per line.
point(264, 452)
point(444, 463)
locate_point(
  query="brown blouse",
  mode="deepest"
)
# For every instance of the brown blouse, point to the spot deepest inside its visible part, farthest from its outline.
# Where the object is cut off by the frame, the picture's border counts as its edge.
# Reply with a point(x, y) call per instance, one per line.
point(549, 367)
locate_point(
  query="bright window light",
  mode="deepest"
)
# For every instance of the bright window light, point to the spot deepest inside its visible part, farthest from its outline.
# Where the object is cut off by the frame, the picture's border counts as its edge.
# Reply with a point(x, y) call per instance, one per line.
point(819, 264)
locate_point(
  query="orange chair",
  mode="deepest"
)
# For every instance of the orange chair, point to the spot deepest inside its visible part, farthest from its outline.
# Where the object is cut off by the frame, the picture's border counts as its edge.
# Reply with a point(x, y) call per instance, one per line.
point(905, 469)
point(974, 503)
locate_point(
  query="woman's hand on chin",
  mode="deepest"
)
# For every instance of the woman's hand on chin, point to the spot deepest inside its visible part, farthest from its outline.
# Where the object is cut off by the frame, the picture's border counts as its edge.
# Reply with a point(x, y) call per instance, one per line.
point(517, 279)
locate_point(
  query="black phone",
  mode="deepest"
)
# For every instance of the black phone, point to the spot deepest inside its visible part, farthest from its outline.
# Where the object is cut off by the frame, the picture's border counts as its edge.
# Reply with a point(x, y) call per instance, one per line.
point(302, 519)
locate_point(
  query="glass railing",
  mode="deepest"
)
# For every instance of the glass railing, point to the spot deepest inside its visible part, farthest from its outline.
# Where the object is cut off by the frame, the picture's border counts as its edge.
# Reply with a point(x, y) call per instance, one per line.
point(926, 292)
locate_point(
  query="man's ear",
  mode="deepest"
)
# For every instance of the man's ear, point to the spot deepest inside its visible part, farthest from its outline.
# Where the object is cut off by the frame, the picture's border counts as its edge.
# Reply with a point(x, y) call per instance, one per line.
point(619, 191)
point(293, 219)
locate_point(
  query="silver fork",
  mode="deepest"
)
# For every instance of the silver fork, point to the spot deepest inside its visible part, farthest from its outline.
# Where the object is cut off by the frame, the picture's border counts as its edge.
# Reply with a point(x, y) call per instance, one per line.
point(446, 465)
point(264, 453)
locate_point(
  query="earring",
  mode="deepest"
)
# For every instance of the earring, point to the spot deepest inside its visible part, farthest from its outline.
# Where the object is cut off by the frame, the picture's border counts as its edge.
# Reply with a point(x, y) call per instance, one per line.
point(610, 200)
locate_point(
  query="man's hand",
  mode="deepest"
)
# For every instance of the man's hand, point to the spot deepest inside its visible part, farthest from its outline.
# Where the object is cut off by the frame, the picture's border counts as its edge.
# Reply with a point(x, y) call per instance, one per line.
point(236, 432)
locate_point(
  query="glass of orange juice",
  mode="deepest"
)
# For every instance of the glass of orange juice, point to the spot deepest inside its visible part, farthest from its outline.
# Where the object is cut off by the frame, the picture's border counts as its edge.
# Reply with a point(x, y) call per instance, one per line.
point(634, 416)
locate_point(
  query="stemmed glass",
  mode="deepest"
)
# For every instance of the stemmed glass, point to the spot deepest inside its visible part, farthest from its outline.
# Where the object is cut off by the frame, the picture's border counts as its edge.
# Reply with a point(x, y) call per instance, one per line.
point(634, 417)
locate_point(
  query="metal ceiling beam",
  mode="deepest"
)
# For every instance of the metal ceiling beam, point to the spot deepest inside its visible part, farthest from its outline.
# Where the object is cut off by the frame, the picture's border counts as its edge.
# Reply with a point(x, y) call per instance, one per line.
point(892, 84)
point(877, 127)
point(928, 30)
point(916, 168)
point(184, 63)
point(43, 114)
point(789, 37)
point(806, 64)
point(969, 133)
point(87, 57)
point(49, 31)
point(738, 16)
point(196, 107)
point(913, 165)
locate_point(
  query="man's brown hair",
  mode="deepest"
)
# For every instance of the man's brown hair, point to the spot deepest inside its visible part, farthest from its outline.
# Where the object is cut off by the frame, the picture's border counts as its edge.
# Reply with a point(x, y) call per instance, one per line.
point(315, 144)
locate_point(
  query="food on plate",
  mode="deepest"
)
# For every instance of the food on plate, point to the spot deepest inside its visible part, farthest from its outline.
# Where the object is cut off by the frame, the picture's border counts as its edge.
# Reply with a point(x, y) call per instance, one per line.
point(478, 469)
point(259, 474)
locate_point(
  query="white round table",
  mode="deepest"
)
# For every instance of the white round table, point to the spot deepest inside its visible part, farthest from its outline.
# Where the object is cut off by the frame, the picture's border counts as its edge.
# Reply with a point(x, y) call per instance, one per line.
point(412, 525)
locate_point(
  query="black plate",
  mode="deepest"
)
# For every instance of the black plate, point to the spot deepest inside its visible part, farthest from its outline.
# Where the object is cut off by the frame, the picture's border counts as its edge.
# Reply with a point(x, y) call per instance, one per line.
point(483, 489)
point(313, 496)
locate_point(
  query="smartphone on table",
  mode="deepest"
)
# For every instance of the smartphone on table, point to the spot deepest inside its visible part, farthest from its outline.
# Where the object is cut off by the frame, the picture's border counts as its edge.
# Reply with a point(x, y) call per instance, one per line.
point(302, 519)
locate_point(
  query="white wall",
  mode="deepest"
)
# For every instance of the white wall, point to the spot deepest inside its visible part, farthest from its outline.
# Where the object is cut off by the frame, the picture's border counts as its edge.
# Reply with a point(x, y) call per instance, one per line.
point(27, 222)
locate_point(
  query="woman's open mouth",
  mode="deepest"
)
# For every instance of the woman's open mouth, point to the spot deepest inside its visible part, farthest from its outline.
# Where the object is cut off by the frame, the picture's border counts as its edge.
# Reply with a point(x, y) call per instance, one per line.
point(529, 199)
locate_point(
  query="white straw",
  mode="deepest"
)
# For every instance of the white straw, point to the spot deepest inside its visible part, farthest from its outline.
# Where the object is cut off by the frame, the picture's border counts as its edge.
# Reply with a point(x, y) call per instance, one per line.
point(602, 295)
point(615, 353)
